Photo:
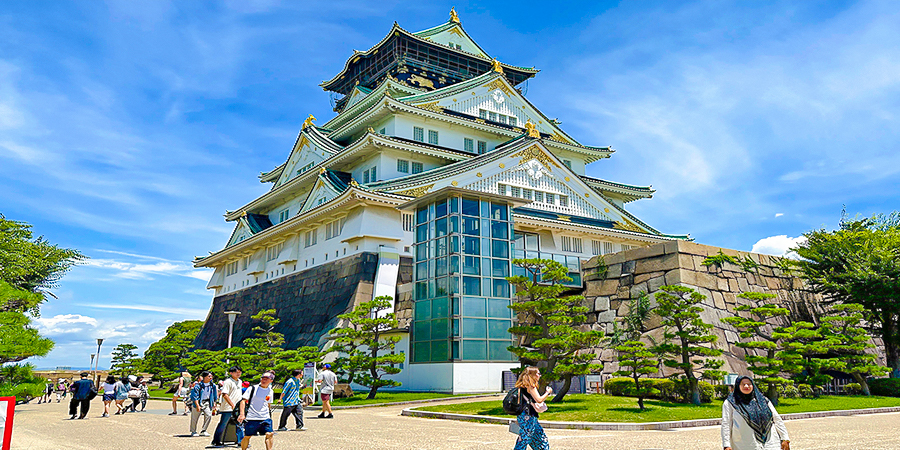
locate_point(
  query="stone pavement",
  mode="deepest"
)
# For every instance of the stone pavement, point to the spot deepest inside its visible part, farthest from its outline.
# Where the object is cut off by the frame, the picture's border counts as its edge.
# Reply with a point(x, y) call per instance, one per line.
point(44, 427)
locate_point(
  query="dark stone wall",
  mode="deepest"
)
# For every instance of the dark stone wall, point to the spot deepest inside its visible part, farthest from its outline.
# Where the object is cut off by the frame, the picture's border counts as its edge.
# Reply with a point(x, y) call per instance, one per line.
point(308, 303)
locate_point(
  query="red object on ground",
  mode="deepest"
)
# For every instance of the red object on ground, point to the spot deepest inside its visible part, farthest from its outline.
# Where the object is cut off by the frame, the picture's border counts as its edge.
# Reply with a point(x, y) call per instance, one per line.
point(7, 409)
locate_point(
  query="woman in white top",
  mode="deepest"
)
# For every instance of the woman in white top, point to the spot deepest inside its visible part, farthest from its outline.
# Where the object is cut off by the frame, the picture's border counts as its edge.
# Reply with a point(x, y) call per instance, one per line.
point(750, 422)
point(109, 394)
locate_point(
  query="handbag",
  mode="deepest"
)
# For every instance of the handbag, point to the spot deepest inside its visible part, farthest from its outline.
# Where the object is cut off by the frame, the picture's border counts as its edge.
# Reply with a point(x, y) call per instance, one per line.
point(514, 427)
point(134, 393)
point(92, 393)
point(539, 407)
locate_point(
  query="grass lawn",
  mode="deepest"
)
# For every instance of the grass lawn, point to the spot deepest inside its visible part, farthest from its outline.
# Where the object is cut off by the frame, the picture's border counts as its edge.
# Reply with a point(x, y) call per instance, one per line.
point(604, 408)
point(359, 398)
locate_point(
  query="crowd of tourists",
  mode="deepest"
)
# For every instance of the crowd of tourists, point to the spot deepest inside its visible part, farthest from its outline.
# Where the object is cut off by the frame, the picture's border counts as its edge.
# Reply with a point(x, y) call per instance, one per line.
point(243, 409)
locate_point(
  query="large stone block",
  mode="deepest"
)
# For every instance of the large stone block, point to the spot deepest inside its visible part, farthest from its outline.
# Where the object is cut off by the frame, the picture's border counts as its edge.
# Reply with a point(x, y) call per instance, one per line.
point(614, 271)
point(640, 253)
point(654, 284)
point(700, 279)
point(696, 249)
point(638, 289)
point(601, 304)
point(598, 288)
point(606, 316)
point(719, 300)
point(658, 263)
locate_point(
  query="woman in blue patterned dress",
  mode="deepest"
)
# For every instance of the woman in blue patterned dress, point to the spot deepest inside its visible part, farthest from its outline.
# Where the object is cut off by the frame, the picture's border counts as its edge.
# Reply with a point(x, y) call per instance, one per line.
point(530, 431)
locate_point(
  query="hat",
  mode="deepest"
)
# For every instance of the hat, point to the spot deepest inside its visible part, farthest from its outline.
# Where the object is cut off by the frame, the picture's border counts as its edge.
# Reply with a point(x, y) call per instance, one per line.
point(269, 375)
point(327, 366)
point(245, 384)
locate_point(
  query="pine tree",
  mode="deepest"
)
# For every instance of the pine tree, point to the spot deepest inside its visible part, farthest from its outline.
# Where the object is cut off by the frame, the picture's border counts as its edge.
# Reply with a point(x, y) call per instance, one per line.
point(124, 360)
point(548, 323)
point(369, 341)
point(850, 341)
point(260, 350)
point(805, 353)
point(681, 318)
point(767, 368)
point(638, 361)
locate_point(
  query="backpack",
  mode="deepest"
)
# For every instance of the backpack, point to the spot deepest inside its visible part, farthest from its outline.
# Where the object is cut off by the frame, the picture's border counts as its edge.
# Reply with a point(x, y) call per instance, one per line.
point(237, 406)
point(514, 402)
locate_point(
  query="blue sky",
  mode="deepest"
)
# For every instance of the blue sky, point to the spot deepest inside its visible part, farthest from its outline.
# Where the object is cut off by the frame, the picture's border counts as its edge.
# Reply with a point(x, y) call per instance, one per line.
point(128, 128)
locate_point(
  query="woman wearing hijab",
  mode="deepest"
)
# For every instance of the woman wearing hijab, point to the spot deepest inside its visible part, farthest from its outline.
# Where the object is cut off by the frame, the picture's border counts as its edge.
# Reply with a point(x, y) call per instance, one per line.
point(750, 422)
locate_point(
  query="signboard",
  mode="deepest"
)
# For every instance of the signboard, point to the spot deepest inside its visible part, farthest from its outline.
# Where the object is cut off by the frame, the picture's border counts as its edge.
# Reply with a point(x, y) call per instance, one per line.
point(309, 373)
point(7, 408)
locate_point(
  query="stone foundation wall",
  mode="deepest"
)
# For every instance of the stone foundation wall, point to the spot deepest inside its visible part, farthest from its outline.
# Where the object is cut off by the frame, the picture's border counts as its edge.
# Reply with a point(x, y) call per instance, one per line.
point(308, 302)
point(644, 270)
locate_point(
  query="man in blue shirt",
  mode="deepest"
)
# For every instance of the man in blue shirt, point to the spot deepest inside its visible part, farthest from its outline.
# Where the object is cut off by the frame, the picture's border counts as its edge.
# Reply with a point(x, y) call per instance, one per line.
point(81, 395)
point(290, 400)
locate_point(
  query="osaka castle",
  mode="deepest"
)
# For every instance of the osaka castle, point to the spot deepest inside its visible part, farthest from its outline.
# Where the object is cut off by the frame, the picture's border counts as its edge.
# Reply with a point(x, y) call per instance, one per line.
point(433, 175)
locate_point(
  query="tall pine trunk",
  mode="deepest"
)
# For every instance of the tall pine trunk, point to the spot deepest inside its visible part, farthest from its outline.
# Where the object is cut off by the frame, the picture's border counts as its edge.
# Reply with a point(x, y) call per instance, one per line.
point(862, 383)
point(562, 392)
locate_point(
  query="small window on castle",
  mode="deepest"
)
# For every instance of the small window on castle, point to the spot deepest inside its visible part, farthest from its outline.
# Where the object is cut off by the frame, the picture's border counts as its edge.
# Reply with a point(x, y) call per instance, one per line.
point(482, 147)
point(381, 131)
point(402, 166)
point(513, 121)
point(469, 145)
point(284, 215)
point(310, 239)
point(483, 113)
point(433, 137)
point(374, 177)
point(502, 118)
point(365, 176)
point(515, 191)
point(492, 116)
point(564, 201)
point(596, 247)
point(501, 189)
point(539, 196)
point(550, 198)
point(419, 134)
point(608, 248)
point(416, 167)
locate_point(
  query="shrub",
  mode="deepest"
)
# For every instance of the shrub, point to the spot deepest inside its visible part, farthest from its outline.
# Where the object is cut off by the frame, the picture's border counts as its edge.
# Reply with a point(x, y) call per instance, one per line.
point(853, 389)
point(664, 389)
point(683, 391)
point(617, 386)
point(805, 391)
point(722, 391)
point(789, 391)
point(888, 387)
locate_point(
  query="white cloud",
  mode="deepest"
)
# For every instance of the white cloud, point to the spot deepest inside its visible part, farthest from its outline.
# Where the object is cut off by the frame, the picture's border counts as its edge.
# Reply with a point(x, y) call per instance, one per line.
point(64, 324)
point(779, 214)
point(778, 245)
point(139, 270)
point(193, 312)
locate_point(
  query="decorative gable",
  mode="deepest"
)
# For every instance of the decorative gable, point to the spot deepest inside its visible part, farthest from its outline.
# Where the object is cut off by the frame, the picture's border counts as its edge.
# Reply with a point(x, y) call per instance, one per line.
point(241, 232)
point(305, 156)
point(453, 36)
point(322, 193)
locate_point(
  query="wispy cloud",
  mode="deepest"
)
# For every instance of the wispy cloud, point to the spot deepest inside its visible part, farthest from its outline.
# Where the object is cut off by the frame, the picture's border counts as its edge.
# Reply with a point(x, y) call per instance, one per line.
point(778, 245)
point(138, 270)
point(192, 313)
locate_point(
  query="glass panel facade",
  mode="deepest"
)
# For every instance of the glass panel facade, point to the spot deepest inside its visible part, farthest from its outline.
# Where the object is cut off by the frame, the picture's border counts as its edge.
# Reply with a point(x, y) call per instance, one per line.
point(463, 253)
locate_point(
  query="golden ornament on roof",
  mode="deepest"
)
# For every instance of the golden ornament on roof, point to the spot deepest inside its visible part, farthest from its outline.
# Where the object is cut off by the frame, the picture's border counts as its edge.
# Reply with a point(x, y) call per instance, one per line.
point(309, 121)
point(531, 129)
point(321, 170)
point(453, 16)
point(496, 66)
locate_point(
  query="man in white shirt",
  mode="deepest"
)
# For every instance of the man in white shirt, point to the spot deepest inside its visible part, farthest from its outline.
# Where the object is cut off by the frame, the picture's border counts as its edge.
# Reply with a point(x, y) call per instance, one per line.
point(327, 380)
point(231, 395)
point(256, 411)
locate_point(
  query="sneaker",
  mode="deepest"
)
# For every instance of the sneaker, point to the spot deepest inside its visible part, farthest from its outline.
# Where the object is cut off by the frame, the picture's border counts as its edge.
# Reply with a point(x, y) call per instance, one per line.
point(282, 429)
point(193, 433)
point(73, 417)
point(300, 428)
point(173, 413)
point(330, 416)
point(321, 415)
point(204, 434)
point(104, 415)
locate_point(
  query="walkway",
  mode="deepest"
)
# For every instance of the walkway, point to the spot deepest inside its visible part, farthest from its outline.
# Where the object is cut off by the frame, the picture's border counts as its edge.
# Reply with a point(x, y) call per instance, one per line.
point(44, 427)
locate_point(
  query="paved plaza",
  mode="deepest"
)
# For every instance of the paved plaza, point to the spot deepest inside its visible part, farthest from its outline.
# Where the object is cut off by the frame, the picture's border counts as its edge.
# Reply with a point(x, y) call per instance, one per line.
point(44, 427)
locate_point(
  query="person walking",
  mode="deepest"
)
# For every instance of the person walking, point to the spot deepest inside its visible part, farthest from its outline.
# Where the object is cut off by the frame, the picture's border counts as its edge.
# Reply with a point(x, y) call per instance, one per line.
point(81, 396)
point(327, 380)
point(255, 411)
point(290, 401)
point(182, 389)
point(121, 392)
point(750, 422)
point(109, 394)
point(48, 390)
point(231, 395)
point(145, 393)
point(134, 392)
point(203, 399)
point(60, 390)
point(530, 430)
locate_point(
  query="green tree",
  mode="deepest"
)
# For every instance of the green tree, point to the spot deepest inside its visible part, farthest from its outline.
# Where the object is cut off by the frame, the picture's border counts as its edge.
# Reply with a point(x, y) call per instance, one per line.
point(369, 342)
point(634, 322)
point(759, 329)
point(19, 381)
point(164, 357)
point(805, 353)
point(30, 264)
point(548, 324)
point(261, 349)
point(288, 360)
point(844, 324)
point(636, 361)
point(860, 263)
point(678, 308)
point(18, 340)
point(124, 360)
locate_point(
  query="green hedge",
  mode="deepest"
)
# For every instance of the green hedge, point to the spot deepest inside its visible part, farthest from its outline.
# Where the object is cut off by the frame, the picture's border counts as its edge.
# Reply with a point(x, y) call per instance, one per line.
point(663, 389)
point(888, 387)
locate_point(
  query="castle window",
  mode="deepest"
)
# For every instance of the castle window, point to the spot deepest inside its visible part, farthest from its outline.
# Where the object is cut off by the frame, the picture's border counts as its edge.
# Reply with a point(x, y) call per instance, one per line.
point(571, 244)
point(273, 251)
point(526, 194)
point(310, 239)
point(513, 121)
point(245, 262)
point(596, 247)
point(550, 198)
point(231, 268)
point(482, 147)
point(564, 201)
point(333, 229)
point(469, 145)
point(402, 166)
point(501, 189)
point(515, 191)
point(608, 248)
point(408, 221)
point(539, 196)
point(373, 177)
point(365, 176)
point(283, 215)
point(419, 134)
point(492, 116)
point(433, 137)
point(483, 113)
point(416, 167)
